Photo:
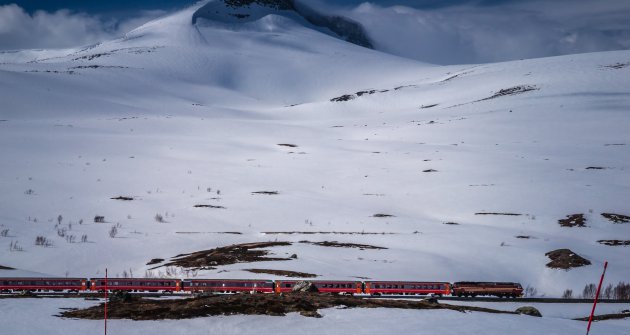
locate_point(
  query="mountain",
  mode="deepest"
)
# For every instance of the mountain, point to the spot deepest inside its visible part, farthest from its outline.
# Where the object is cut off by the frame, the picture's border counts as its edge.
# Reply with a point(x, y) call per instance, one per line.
point(461, 172)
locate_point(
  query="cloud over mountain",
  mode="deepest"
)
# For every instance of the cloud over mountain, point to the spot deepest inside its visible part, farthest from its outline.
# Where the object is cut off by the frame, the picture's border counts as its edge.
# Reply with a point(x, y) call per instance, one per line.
point(63, 28)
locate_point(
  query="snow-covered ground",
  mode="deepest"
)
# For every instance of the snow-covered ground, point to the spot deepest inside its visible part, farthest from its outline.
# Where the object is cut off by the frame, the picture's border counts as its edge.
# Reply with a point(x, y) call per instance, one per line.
point(176, 115)
point(22, 312)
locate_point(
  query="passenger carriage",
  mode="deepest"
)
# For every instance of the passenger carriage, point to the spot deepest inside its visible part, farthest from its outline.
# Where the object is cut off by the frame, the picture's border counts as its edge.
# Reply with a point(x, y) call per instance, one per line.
point(228, 285)
point(323, 286)
point(407, 288)
point(136, 284)
point(43, 284)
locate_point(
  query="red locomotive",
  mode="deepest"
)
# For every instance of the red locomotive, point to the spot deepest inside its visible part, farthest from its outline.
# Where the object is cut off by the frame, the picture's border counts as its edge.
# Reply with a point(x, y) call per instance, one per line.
point(499, 289)
point(407, 288)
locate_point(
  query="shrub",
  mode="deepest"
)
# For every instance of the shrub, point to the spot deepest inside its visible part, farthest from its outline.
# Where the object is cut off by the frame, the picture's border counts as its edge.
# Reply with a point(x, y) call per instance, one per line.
point(568, 294)
point(43, 241)
point(159, 218)
point(99, 219)
point(113, 232)
point(589, 291)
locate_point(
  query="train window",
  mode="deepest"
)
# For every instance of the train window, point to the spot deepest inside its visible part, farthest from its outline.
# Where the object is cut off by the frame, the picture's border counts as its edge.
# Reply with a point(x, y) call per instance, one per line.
point(287, 285)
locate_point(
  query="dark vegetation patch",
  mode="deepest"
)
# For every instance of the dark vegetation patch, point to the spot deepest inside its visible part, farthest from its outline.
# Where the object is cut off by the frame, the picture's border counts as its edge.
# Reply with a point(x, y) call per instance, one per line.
point(511, 91)
point(232, 254)
point(381, 215)
point(307, 304)
point(284, 273)
point(596, 168)
point(496, 213)
point(124, 198)
point(613, 144)
point(603, 317)
point(617, 66)
point(288, 145)
point(525, 237)
point(213, 232)
point(616, 218)
point(451, 223)
point(266, 192)
point(155, 261)
point(336, 244)
point(345, 97)
point(92, 56)
point(429, 170)
point(573, 220)
point(565, 259)
point(325, 233)
point(2, 267)
point(348, 97)
point(614, 243)
point(98, 66)
point(209, 206)
point(428, 106)
point(50, 71)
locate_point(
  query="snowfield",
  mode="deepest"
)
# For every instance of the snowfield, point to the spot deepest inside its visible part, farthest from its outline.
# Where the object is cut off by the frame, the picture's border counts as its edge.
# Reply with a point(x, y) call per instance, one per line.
point(177, 114)
point(334, 321)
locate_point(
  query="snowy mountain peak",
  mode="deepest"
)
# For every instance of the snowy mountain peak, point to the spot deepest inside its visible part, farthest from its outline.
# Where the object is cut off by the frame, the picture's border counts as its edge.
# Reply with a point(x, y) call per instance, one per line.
point(244, 11)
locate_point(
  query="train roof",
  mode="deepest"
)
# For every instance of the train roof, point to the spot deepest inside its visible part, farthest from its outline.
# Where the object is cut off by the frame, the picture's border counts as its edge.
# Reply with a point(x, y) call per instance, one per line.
point(40, 278)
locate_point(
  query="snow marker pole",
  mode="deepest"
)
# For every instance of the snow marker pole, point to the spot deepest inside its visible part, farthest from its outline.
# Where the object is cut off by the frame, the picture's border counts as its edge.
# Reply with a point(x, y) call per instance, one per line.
point(601, 280)
point(105, 301)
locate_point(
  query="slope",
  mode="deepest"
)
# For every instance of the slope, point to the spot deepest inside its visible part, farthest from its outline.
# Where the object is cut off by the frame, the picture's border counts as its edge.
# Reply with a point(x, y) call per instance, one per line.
point(177, 114)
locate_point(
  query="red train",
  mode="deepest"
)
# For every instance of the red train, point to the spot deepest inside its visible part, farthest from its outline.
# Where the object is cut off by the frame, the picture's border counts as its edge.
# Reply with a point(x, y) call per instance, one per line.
point(43, 284)
point(323, 286)
point(165, 285)
point(407, 288)
point(499, 289)
point(228, 285)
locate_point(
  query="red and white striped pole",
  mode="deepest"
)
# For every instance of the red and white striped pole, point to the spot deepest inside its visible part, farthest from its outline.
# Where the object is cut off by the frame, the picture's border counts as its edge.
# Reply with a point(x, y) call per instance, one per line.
point(105, 301)
point(590, 319)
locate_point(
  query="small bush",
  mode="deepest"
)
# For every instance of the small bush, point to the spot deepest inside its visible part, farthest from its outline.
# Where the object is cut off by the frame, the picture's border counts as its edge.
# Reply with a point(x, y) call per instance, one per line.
point(568, 294)
point(159, 218)
point(99, 219)
point(42, 241)
point(4, 232)
point(589, 291)
point(113, 232)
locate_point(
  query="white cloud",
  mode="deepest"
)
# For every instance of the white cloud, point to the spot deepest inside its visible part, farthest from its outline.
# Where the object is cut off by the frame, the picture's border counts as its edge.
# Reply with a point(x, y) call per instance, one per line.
point(63, 28)
point(474, 34)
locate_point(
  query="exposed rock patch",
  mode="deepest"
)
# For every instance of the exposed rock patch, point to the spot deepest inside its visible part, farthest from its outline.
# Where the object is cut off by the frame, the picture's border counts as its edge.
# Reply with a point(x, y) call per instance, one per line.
point(237, 253)
point(124, 198)
point(614, 243)
point(616, 218)
point(284, 273)
point(565, 259)
point(573, 220)
point(529, 310)
point(511, 91)
point(336, 244)
point(307, 304)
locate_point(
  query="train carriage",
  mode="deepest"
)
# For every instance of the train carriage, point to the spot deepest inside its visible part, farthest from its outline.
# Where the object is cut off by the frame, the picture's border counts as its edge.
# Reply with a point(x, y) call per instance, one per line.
point(43, 284)
point(136, 284)
point(323, 286)
point(228, 285)
point(407, 288)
